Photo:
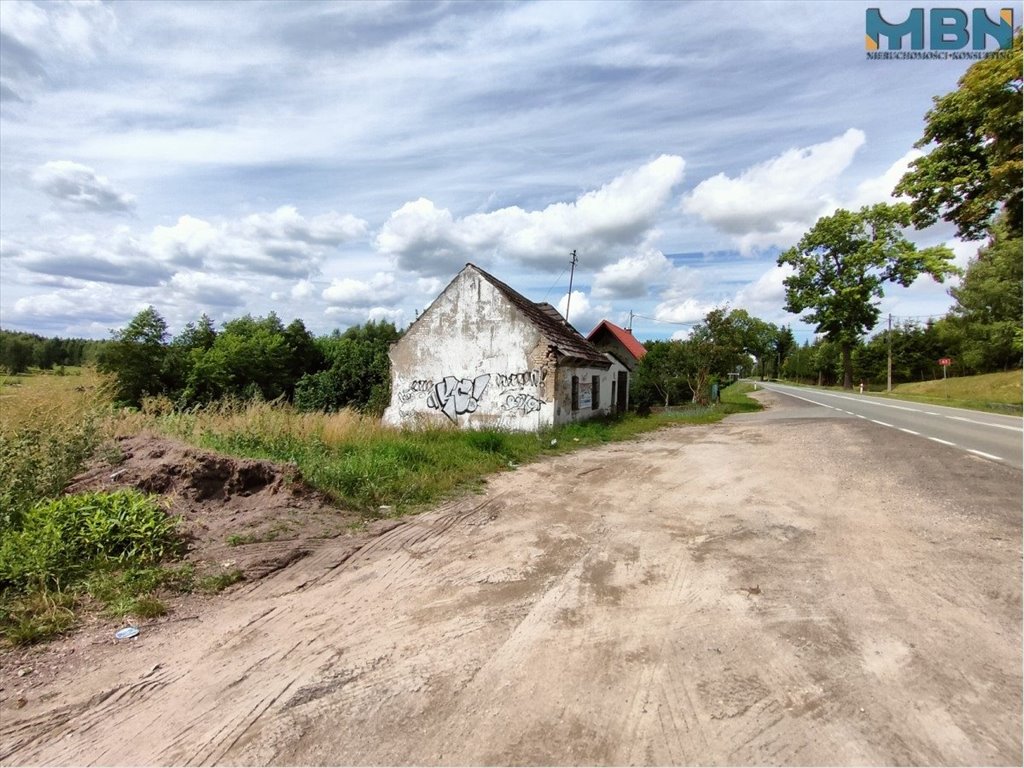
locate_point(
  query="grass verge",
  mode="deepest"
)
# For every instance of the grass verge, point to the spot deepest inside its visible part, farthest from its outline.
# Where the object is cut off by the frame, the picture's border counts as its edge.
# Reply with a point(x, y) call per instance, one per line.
point(365, 466)
point(989, 392)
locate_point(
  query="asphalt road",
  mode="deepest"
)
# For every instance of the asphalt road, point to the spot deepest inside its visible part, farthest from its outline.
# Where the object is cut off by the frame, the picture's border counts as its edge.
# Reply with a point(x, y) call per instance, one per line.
point(991, 436)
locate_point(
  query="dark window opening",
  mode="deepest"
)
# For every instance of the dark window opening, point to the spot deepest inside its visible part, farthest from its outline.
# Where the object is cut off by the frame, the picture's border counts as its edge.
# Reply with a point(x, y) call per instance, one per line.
point(575, 393)
point(595, 392)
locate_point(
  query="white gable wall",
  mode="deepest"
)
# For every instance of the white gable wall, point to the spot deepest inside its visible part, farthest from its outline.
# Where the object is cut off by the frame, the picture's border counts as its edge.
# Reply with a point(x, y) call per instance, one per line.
point(474, 360)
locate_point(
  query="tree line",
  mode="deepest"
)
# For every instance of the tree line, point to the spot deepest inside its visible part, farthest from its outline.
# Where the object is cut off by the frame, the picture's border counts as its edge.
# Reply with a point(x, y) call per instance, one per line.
point(250, 357)
point(20, 351)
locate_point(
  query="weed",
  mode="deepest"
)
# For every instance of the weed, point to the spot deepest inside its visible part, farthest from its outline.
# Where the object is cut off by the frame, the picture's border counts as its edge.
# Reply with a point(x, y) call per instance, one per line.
point(217, 582)
point(36, 616)
point(107, 545)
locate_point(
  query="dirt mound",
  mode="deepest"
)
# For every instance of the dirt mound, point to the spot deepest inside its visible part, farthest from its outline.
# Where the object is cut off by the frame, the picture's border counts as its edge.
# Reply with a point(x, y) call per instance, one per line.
point(252, 515)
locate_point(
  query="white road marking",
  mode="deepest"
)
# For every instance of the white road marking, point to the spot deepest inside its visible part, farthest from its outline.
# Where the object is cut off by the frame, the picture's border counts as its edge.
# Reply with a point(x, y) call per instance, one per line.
point(883, 423)
point(986, 455)
point(909, 431)
point(939, 440)
point(986, 424)
point(873, 401)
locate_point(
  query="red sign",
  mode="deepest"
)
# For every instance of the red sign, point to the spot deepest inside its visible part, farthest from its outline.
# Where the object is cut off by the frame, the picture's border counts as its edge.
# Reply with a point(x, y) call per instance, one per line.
point(944, 361)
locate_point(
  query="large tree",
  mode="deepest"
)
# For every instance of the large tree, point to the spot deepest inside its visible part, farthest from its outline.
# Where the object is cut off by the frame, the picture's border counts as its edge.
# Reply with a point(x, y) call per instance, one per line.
point(841, 265)
point(135, 357)
point(985, 322)
point(974, 168)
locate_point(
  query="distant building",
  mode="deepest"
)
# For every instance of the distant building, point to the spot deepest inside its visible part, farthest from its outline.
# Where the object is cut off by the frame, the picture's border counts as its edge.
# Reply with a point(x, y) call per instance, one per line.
point(484, 355)
point(624, 352)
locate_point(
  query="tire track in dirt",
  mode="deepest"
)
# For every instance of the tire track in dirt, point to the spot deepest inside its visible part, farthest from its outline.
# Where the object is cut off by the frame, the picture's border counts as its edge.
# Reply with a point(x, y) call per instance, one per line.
point(780, 592)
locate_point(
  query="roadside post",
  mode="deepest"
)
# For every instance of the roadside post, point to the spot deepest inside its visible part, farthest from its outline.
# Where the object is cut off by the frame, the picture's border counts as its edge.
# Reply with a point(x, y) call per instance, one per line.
point(945, 362)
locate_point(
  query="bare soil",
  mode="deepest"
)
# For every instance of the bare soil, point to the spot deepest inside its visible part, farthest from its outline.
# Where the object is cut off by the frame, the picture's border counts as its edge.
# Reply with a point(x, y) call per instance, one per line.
point(772, 589)
point(252, 515)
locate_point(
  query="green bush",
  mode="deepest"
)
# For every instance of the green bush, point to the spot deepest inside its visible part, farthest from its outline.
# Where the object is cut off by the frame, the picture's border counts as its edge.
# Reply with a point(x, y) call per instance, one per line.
point(62, 541)
point(37, 463)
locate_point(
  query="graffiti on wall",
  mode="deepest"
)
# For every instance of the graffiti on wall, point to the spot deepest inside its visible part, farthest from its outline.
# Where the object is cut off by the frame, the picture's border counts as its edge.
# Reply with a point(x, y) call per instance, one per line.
point(521, 403)
point(521, 379)
point(517, 395)
point(514, 400)
point(419, 387)
point(454, 397)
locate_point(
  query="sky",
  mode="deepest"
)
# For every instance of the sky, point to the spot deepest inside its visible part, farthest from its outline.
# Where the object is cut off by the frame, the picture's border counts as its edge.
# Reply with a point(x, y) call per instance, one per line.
point(341, 162)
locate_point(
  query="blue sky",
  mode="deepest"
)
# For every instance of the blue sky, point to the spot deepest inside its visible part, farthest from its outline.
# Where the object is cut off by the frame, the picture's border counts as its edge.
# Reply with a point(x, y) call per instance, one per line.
point(339, 162)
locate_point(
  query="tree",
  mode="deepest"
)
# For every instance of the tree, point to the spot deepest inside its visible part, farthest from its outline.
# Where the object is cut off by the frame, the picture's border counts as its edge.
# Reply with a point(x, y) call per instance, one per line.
point(986, 319)
point(783, 345)
point(974, 169)
point(758, 338)
point(659, 377)
point(841, 265)
point(135, 357)
point(358, 373)
point(15, 353)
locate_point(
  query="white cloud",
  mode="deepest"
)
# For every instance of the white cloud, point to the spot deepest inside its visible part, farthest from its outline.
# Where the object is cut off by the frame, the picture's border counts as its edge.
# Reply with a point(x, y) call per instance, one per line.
point(348, 292)
point(286, 224)
point(77, 186)
point(204, 290)
point(42, 39)
point(282, 243)
point(631, 277)
point(303, 289)
point(600, 224)
point(583, 314)
point(118, 258)
point(690, 310)
point(767, 294)
point(879, 189)
point(774, 202)
point(359, 315)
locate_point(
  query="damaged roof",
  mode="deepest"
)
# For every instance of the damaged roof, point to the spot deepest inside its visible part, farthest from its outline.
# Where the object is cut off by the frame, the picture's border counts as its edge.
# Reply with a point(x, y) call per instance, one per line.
point(567, 341)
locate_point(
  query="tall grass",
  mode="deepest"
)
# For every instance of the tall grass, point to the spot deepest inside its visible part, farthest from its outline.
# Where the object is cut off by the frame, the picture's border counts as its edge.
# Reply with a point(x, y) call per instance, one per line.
point(49, 426)
point(364, 465)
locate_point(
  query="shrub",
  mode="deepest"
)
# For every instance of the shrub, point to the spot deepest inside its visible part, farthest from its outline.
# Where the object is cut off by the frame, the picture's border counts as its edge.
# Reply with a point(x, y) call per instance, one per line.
point(62, 541)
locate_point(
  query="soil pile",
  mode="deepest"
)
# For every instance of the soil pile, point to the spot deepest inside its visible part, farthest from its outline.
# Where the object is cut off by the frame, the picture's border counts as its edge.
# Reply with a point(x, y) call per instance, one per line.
point(253, 515)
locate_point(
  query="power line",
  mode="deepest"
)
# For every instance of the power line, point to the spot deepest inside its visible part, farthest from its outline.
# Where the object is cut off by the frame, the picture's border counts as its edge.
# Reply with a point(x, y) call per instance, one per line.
point(560, 274)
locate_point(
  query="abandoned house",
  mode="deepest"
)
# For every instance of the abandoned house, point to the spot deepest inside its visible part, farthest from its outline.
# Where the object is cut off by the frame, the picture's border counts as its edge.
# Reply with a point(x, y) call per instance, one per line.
point(483, 355)
point(624, 351)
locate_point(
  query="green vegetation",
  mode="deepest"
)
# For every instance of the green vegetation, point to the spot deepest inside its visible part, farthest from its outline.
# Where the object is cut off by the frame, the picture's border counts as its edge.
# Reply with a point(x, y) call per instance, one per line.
point(974, 168)
point(674, 372)
point(250, 357)
point(108, 546)
point(996, 392)
point(49, 426)
point(841, 265)
point(21, 351)
point(364, 465)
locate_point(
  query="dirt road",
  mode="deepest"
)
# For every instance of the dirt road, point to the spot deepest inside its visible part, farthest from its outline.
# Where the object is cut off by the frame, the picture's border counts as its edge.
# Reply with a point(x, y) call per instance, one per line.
point(772, 589)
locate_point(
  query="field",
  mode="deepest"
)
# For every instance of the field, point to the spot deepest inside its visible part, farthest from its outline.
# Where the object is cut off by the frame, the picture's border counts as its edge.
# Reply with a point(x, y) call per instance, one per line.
point(52, 425)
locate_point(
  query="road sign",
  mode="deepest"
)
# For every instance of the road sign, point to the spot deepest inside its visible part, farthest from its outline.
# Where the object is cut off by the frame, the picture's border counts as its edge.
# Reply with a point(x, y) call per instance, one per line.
point(944, 361)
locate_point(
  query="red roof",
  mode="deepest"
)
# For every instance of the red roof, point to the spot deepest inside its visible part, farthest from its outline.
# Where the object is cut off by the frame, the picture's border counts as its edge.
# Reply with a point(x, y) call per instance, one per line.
point(626, 338)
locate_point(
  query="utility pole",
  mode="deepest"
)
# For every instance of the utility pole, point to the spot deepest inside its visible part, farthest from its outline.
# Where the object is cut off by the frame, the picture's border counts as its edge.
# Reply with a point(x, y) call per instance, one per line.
point(888, 337)
point(572, 270)
point(630, 326)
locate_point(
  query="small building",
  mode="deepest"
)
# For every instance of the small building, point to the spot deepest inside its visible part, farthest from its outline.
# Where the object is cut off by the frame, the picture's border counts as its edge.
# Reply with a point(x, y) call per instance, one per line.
point(624, 352)
point(483, 355)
